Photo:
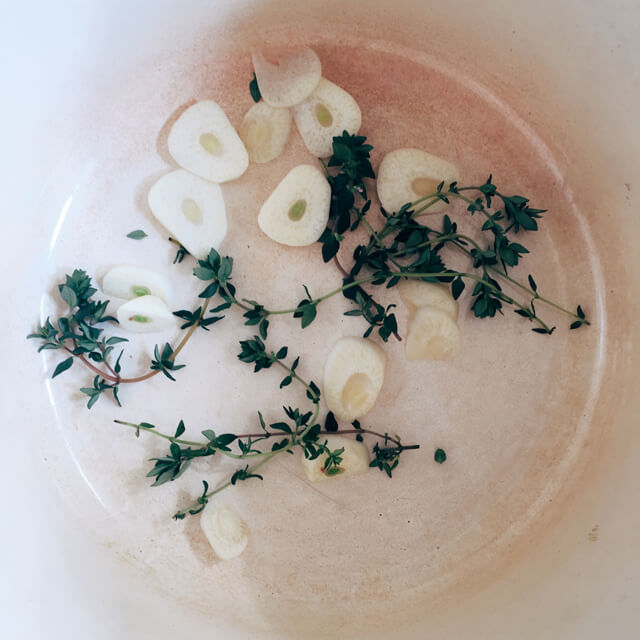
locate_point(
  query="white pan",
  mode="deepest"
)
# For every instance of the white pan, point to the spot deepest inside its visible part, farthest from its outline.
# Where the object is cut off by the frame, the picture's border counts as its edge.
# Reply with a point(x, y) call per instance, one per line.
point(529, 530)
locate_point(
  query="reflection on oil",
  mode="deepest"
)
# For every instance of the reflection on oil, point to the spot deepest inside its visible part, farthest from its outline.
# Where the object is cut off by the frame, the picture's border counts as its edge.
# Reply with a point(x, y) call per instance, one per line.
point(60, 222)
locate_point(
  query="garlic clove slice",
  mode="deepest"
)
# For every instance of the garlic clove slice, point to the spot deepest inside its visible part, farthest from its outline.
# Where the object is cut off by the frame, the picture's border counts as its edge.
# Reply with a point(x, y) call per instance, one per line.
point(417, 293)
point(297, 211)
point(405, 175)
point(203, 141)
point(289, 82)
point(432, 335)
point(128, 282)
point(265, 131)
point(192, 209)
point(355, 459)
point(226, 532)
point(353, 377)
point(327, 112)
point(146, 314)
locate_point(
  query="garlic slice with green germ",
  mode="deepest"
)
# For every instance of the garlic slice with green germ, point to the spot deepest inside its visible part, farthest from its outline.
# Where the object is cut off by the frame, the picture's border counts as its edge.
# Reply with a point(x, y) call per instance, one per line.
point(146, 314)
point(405, 175)
point(127, 281)
point(432, 335)
point(226, 532)
point(203, 141)
point(289, 82)
point(353, 377)
point(417, 293)
point(297, 211)
point(355, 459)
point(265, 131)
point(326, 113)
point(192, 209)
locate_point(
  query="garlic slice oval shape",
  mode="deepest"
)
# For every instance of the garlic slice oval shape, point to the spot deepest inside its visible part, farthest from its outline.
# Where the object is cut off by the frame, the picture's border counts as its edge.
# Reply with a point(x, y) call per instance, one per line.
point(327, 112)
point(417, 293)
point(226, 532)
point(265, 131)
point(297, 211)
point(353, 377)
point(289, 82)
point(405, 175)
point(128, 281)
point(203, 141)
point(355, 459)
point(432, 335)
point(146, 314)
point(192, 209)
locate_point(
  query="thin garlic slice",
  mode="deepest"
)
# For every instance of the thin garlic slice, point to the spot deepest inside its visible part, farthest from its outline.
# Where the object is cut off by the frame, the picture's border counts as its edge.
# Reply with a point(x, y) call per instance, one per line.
point(405, 175)
point(290, 82)
point(265, 131)
point(203, 141)
point(226, 532)
point(432, 335)
point(146, 314)
point(326, 113)
point(353, 377)
point(127, 282)
point(297, 211)
point(355, 459)
point(192, 209)
point(416, 293)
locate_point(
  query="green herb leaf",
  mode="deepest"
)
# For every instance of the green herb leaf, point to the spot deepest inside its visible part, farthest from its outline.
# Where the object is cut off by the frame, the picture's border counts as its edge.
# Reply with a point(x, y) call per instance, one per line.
point(180, 253)
point(69, 296)
point(280, 426)
point(244, 474)
point(163, 361)
point(307, 311)
point(138, 234)
point(330, 422)
point(254, 89)
point(180, 430)
point(264, 325)
point(457, 287)
point(62, 367)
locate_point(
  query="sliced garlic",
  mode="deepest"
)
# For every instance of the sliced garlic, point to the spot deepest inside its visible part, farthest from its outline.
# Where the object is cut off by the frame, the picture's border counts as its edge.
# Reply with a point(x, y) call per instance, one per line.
point(355, 459)
point(227, 533)
point(290, 82)
point(125, 281)
point(203, 141)
point(326, 113)
point(192, 209)
point(405, 175)
point(416, 293)
point(297, 211)
point(353, 377)
point(432, 335)
point(264, 131)
point(146, 314)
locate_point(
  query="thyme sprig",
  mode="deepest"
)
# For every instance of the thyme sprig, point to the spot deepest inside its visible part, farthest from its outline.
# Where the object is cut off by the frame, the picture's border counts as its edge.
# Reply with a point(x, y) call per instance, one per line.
point(404, 248)
point(80, 334)
point(298, 429)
